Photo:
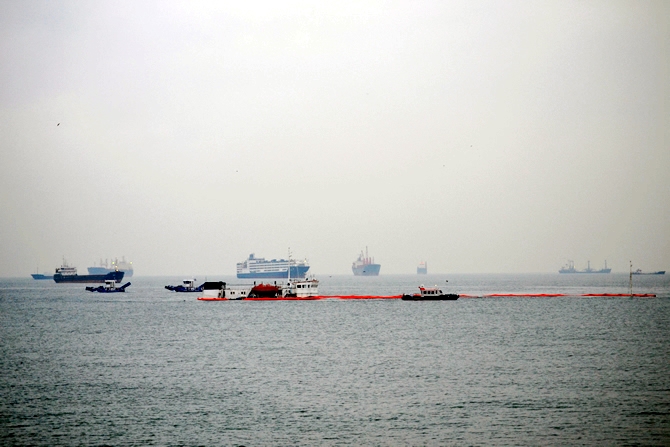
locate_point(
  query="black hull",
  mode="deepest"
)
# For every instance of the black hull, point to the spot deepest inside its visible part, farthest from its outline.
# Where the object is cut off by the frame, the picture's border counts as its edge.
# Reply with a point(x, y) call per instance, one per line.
point(116, 276)
point(446, 297)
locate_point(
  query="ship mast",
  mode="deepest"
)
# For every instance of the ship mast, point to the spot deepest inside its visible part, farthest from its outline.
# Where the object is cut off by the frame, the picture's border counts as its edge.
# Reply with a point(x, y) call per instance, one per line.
point(630, 279)
point(289, 265)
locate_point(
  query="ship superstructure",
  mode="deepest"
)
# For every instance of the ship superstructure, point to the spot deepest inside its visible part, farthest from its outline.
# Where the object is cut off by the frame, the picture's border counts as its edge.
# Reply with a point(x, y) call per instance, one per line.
point(254, 267)
point(122, 266)
point(365, 265)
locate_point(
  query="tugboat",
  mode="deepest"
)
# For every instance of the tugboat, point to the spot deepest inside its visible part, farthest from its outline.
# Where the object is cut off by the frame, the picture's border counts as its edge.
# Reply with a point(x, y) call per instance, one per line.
point(430, 294)
point(109, 287)
point(187, 286)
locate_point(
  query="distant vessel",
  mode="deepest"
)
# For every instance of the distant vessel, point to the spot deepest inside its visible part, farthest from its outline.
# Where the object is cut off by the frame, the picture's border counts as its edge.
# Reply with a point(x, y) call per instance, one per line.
point(66, 273)
point(255, 267)
point(570, 268)
point(640, 272)
point(41, 276)
point(422, 269)
point(38, 275)
point(365, 266)
point(104, 268)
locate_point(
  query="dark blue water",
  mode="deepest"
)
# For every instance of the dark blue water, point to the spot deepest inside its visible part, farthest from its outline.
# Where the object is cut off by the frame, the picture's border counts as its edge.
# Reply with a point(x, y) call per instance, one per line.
point(155, 367)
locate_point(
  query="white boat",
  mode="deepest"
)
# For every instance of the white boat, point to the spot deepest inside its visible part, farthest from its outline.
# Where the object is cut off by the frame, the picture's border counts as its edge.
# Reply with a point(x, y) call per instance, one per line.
point(220, 291)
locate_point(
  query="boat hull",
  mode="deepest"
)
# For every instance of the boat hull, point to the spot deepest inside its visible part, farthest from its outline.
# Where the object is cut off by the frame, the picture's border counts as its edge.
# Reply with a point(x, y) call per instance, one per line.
point(367, 270)
point(444, 297)
point(40, 276)
point(116, 276)
point(103, 271)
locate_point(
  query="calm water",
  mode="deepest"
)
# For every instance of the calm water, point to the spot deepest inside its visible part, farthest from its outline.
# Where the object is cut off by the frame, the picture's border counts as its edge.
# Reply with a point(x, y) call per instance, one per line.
point(155, 367)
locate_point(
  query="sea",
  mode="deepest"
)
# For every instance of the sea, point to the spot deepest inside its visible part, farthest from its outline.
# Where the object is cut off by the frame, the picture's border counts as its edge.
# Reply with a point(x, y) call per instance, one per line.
point(154, 367)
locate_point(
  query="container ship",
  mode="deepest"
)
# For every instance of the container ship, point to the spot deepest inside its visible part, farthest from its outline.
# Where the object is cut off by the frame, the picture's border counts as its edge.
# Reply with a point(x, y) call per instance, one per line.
point(66, 273)
point(121, 266)
point(365, 265)
point(570, 268)
point(422, 268)
point(254, 267)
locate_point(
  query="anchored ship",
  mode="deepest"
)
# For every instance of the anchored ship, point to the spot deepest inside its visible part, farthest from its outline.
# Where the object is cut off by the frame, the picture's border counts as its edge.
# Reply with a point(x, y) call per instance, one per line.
point(38, 275)
point(640, 272)
point(422, 269)
point(570, 268)
point(254, 267)
point(365, 265)
point(104, 268)
point(66, 273)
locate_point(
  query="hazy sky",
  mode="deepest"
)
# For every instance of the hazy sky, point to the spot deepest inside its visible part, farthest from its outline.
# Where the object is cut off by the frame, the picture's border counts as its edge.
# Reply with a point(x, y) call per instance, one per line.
point(478, 136)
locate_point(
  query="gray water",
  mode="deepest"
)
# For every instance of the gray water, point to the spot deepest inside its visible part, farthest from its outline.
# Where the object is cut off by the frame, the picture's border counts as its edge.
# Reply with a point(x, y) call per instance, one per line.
point(160, 368)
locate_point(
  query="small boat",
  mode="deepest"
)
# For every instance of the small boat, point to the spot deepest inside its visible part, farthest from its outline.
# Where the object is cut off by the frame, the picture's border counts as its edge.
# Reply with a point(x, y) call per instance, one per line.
point(188, 285)
point(430, 294)
point(640, 272)
point(108, 287)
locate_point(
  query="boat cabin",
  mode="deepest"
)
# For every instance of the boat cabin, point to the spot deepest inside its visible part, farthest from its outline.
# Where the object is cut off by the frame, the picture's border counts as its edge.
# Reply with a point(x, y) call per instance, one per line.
point(221, 290)
point(301, 288)
point(430, 291)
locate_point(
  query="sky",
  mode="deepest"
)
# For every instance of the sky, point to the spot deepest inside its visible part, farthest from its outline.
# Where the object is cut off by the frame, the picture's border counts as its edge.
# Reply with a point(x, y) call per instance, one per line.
point(478, 136)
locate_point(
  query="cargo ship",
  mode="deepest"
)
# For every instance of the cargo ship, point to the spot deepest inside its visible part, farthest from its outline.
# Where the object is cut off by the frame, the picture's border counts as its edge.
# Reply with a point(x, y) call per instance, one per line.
point(570, 268)
point(365, 265)
point(254, 267)
point(422, 269)
point(104, 268)
point(640, 272)
point(38, 275)
point(66, 273)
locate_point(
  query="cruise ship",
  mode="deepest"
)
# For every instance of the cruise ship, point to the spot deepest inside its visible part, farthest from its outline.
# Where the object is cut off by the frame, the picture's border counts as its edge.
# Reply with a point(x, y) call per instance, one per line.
point(254, 267)
point(121, 266)
point(365, 265)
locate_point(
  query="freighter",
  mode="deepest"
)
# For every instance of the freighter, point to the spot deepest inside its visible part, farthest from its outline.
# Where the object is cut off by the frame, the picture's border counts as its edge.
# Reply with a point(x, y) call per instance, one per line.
point(255, 267)
point(365, 265)
point(104, 268)
point(422, 268)
point(66, 273)
point(570, 268)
